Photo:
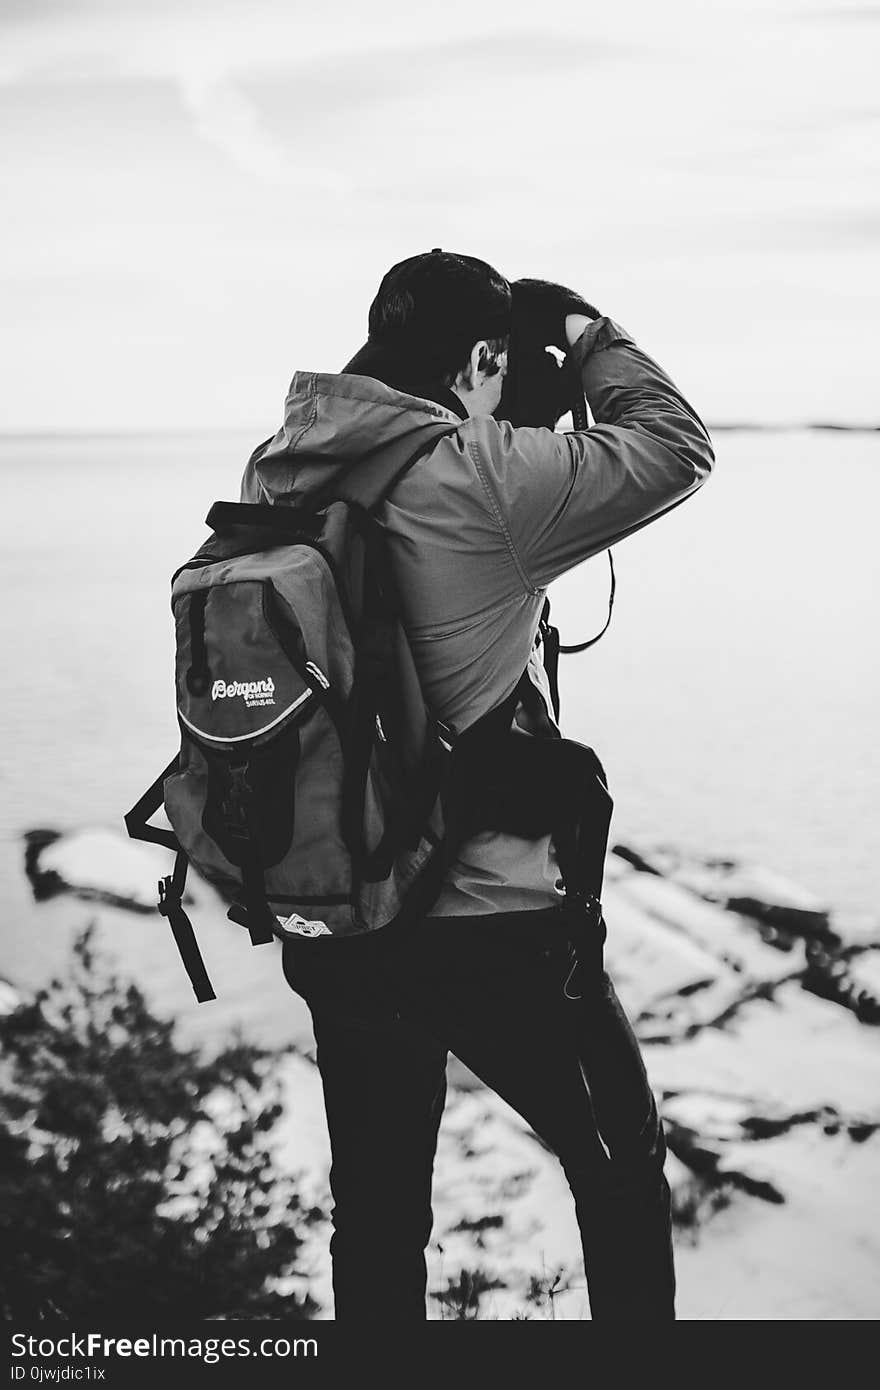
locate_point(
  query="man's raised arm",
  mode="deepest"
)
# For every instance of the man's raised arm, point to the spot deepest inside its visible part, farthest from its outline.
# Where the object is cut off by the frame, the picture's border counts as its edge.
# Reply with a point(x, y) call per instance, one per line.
point(566, 497)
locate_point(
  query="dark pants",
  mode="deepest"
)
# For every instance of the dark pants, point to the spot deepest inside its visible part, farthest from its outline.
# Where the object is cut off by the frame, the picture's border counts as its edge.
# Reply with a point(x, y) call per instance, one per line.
point(386, 1008)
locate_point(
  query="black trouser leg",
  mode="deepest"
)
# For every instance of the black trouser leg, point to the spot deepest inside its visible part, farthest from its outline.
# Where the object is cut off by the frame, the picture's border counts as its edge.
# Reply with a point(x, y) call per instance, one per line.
point(490, 990)
point(491, 987)
point(624, 1216)
point(384, 1089)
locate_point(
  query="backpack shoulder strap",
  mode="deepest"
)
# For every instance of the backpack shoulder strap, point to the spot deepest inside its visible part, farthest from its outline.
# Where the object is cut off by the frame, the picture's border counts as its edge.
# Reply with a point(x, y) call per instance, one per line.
point(301, 520)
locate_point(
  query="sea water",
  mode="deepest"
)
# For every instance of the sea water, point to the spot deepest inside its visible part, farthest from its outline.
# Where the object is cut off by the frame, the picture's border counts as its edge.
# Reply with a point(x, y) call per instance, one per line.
point(733, 701)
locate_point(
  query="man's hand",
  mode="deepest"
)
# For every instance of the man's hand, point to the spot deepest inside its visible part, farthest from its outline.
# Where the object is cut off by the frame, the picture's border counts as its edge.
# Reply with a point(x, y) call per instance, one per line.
point(540, 311)
point(574, 327)
point(536, 389)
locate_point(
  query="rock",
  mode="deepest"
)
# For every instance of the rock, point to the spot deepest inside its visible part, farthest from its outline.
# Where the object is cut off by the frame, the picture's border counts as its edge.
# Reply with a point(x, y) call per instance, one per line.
point(864, 972)
point(779, 1056)
point(10, 997)
point(740, 887)
point(636, 859)
point(667, 982)
point(709, 927)
point(848, 978)
point(680, 963)
point(97, 865)
point(751, 1007)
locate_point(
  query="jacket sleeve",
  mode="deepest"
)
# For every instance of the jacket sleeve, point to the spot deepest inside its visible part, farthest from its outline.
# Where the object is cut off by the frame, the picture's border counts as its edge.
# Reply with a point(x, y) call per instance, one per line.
point(565, 497)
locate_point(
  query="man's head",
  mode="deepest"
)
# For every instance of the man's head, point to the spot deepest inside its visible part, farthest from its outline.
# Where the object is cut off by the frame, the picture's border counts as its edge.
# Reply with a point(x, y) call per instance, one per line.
point(446, 317)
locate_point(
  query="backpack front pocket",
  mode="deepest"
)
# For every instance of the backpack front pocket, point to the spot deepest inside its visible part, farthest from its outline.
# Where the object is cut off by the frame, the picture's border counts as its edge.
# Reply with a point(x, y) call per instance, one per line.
point(237, 683)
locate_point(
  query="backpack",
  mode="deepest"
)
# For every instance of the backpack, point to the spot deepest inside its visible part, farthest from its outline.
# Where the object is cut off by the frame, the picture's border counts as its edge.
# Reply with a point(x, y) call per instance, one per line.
point(309, 785)
point(313, 787)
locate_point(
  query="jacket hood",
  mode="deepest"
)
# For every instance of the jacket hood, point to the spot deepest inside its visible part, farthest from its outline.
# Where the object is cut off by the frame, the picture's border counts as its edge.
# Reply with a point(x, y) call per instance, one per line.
point(343, 432)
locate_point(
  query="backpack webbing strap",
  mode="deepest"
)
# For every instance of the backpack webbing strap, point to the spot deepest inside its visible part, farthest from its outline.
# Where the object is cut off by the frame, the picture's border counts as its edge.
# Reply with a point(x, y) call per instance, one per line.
point(374, 665)
point(243, 849)
point(290, 523)
point(374, 655)
point(198, 676)
point(171, 888)
point(376, 701)
point(171, 906)
point(136, 822)
point(259, 917)
point(301, 521)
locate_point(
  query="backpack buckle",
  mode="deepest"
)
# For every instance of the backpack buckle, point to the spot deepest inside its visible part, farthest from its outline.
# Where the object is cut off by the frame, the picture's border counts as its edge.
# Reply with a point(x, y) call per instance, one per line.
point(590, 908)
point(168, 895)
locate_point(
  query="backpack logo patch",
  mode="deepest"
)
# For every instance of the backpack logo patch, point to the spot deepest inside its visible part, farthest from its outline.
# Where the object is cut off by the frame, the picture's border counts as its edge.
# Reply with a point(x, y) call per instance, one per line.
point(302, 927)
point(254, 693)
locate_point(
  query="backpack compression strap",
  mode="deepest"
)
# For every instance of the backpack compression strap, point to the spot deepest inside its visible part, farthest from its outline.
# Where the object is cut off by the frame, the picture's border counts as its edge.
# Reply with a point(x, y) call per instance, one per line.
point(171, 888)
point(171, 906)
point(137, 820)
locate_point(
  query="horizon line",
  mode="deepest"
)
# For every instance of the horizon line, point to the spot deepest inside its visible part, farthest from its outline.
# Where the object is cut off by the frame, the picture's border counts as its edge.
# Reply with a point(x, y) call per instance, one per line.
point(208, 432)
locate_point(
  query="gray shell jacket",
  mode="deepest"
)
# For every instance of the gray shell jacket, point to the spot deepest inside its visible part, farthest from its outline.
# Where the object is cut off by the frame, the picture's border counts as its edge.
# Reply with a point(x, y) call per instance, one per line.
point(482, 525)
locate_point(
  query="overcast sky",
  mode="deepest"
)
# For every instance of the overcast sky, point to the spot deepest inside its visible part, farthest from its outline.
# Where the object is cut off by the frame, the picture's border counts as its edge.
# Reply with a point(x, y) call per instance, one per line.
point(201, 197)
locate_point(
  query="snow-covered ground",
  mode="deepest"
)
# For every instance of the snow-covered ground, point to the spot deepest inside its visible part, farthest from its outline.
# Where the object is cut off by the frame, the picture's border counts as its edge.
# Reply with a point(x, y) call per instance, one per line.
point(759, 1033)
point(771, 1099)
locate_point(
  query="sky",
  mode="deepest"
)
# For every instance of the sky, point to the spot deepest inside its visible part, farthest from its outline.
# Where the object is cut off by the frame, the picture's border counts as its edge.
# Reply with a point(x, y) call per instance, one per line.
point(201, 197)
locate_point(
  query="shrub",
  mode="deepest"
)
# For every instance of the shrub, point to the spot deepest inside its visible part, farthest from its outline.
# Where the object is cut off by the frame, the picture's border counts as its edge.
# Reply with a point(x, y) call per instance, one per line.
point(137, 1176)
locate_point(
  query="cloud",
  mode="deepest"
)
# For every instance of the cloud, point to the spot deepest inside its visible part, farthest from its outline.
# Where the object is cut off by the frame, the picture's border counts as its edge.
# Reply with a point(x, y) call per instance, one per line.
point(215, 161)
point(229, 68)
point(226, 118)
point(865, 14)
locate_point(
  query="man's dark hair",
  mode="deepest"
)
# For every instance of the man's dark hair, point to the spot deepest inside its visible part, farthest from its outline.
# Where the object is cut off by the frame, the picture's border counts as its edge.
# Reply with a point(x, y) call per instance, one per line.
point(433, 307)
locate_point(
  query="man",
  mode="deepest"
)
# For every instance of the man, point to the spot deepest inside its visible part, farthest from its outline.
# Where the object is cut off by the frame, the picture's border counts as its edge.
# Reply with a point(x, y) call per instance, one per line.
point(478, 530)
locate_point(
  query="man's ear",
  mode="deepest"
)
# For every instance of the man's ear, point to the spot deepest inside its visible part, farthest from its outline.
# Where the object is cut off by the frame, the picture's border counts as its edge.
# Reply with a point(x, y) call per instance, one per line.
point(480, 358)
point(484, 353)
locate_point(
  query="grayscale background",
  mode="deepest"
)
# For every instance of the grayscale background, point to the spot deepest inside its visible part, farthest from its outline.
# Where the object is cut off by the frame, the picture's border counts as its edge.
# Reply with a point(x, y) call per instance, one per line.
point(201, 197)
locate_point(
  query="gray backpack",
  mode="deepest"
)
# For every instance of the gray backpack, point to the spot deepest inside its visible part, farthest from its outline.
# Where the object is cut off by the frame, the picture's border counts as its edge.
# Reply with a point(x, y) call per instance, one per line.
point(310, 783)
point(314, 787)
